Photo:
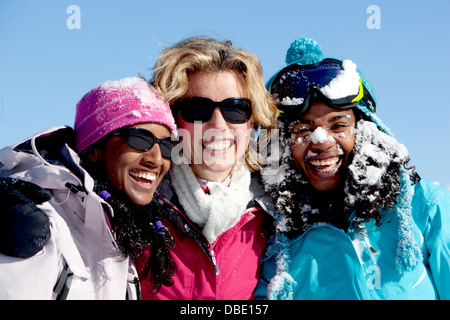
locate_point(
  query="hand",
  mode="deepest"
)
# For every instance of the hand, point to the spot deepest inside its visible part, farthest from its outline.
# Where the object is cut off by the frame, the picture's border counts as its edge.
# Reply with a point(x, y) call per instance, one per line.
point(24, 228)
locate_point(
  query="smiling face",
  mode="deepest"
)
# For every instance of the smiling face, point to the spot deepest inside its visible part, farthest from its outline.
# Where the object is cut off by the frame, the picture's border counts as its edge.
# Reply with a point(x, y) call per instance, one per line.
point(137, 174)
point(216, 145)
point(322, 142)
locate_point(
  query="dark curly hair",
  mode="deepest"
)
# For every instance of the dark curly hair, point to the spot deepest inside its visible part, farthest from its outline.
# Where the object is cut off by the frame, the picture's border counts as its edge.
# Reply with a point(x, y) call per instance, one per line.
point(137, 228)
point(301, 205)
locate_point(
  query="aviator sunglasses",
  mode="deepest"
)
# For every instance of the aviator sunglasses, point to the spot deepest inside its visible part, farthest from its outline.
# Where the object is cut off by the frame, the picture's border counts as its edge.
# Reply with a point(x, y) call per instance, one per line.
point(143, 140)
point(234, 110)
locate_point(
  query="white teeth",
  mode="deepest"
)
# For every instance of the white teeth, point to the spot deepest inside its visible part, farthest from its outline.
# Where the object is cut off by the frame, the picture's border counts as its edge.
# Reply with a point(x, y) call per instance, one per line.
point(326, 170)
point(144, 175)
point(325, 162)
point(218, 145)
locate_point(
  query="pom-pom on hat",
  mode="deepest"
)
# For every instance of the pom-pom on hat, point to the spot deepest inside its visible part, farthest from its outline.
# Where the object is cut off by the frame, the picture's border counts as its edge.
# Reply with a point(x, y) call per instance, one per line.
point(304, 51)
point(116, 104)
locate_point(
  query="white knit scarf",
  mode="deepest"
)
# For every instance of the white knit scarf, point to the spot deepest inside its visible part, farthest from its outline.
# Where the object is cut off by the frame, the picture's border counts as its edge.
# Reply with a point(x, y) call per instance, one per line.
point(218, 211)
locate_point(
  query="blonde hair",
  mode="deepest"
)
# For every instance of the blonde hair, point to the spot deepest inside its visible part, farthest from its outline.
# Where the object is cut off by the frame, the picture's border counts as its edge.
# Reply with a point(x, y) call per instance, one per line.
point(203, 54)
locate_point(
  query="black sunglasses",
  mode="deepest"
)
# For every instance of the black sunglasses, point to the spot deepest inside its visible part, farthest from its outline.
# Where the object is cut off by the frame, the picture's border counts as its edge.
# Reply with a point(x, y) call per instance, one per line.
point(143, 140)
point(234, 110)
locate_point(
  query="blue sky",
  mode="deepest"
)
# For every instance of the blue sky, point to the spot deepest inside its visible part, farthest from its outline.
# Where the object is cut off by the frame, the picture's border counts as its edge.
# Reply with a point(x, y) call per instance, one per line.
point(45, 67)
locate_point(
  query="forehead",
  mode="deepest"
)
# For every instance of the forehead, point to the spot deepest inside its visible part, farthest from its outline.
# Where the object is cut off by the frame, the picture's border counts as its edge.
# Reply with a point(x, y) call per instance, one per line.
point(216, 86)
point(159, 130)
point(319, 112)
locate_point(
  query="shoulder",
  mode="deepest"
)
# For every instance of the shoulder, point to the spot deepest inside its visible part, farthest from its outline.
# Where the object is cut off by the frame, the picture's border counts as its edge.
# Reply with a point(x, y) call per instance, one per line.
point(428, 193)
point(430, 202)
point(259, 195)
point(34, 150)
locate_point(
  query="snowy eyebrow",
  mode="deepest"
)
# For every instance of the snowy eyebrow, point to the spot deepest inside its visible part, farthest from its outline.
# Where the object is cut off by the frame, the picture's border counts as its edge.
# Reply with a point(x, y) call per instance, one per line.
point(339, 117)
point(333, 119)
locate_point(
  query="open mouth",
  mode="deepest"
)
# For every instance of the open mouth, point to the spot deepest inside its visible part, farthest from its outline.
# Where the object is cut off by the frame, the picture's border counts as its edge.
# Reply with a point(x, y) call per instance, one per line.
point(144, 178)
point(326, 166)
point(220, 145)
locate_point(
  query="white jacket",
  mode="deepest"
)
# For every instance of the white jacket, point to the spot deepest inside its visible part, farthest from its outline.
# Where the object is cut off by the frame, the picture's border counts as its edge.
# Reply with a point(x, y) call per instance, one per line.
point(80, 232)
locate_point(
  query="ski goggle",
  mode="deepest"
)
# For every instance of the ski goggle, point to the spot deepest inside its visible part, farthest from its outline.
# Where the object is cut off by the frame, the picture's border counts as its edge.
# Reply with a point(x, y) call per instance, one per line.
point(234, 110)
point(143, 140)
point(331, 81)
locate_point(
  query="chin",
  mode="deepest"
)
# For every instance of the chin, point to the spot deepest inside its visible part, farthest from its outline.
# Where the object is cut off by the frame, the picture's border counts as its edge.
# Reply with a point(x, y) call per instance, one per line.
point(325, 185)
point(141, 199)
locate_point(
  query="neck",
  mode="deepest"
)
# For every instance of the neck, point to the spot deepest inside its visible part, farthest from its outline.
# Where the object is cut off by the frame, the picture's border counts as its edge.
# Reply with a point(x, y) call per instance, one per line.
point(218, 210)
point(210, 175)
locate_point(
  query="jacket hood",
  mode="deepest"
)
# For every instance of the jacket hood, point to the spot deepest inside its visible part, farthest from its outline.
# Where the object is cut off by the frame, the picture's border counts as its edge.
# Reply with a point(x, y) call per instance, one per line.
point(45, 158)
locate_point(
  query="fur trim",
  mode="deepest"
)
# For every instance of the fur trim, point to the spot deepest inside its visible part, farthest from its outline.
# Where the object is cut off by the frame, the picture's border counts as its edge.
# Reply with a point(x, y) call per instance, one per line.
point(409, 253)
point(281, 286)
point(375, 152)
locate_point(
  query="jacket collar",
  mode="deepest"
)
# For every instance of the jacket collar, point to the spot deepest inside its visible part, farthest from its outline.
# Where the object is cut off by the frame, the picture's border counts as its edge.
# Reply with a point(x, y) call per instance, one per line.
point(48, 160)
point(166, 191)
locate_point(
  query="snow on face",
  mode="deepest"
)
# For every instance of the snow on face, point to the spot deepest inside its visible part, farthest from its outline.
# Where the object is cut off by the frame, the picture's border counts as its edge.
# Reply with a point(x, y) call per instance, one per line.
point(320, 135)
point(370, 143)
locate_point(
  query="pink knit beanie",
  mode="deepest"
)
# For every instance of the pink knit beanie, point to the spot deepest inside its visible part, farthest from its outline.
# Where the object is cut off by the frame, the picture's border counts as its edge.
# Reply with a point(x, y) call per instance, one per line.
point(117, 104)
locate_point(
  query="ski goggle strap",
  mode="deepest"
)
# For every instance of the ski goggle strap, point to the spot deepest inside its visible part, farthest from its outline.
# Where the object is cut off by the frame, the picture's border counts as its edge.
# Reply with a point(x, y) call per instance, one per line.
point(336, 83)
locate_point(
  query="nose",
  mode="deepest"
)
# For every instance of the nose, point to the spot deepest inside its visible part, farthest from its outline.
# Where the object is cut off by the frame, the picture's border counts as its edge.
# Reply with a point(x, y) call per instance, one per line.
point(153, 157)
point(217, 120)
point(321, 140)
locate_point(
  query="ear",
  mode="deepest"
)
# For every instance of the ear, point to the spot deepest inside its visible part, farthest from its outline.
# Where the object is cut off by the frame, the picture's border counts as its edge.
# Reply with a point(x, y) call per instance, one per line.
point(95, 155)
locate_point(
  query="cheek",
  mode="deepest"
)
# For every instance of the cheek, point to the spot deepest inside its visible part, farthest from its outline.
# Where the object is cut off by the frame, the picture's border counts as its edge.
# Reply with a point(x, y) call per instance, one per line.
point(116, 165)
point(189, 134)
point(298, 153)
point(165, 167)
point(346, 145)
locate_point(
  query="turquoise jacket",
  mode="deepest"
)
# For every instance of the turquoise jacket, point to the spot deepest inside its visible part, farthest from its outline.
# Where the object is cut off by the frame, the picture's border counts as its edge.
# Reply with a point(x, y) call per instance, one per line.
point(327, 263)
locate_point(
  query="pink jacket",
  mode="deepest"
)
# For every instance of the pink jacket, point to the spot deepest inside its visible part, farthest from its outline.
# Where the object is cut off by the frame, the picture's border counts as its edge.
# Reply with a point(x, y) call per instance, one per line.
point(227, 269)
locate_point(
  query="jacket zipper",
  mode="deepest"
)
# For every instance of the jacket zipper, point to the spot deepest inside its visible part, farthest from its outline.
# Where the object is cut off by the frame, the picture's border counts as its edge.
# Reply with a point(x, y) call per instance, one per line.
point(213, 259)
point(211, 253)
